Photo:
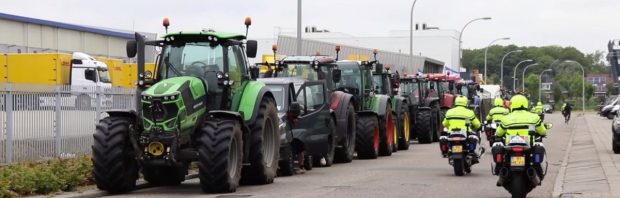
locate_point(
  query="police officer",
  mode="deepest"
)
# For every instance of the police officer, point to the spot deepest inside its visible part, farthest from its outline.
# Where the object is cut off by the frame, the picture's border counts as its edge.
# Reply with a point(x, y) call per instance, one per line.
point(498, 112)
point(460, 117)
point(538, 109)
point(518, 123)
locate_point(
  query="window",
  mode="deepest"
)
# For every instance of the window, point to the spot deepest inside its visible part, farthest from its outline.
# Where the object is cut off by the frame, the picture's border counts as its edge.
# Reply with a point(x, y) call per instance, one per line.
point(311, 97)
point(192, 58)
point(104, 76)
point(90, 74)
point(278, 93)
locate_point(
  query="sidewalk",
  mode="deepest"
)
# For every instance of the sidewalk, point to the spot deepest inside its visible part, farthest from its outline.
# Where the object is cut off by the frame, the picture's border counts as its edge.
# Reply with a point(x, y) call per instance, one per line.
point(590, 169)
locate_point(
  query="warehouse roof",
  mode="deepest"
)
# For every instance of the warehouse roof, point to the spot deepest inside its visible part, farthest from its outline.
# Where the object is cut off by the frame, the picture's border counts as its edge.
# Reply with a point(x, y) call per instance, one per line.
point(121, 34)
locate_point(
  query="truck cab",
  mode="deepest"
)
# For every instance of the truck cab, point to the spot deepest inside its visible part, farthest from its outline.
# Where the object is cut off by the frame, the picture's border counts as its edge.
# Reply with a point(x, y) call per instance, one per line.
point(87, 71)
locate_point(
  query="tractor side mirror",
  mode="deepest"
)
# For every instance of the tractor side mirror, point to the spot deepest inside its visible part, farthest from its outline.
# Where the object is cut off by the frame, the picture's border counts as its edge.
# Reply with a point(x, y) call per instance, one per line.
point(132, 48)
point(337, 75)
point(378, 68)
point(451, 86)
point(254, 72)
point(294, 110)
point(251, 46)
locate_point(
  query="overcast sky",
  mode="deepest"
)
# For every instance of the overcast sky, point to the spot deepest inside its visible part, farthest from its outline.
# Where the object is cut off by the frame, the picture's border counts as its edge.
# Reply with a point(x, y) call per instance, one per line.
point(585, 24)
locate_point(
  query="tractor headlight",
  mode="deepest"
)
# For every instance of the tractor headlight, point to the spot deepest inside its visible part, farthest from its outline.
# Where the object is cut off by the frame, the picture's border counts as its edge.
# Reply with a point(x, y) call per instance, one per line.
point(171, 97)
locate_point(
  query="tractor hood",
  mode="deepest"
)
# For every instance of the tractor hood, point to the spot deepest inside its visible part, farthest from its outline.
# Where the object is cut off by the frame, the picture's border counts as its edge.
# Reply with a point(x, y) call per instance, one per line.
point(170, 102)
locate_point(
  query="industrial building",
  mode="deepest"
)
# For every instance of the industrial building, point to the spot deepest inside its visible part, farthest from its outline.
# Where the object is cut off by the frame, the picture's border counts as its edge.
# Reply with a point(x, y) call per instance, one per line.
point(29, 35)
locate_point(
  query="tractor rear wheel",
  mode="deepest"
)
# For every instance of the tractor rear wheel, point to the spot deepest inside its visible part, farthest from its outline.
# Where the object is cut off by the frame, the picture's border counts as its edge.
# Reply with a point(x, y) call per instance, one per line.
point(344, 154)
point(367, 140)
point(387, 133)
point(115, 169)
point(404, 128)
point(264, 146)
point(220, 156)
point(423, 128)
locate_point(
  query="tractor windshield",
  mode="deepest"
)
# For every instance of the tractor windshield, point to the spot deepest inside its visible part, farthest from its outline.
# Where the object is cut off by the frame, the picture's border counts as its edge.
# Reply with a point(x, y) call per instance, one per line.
point(408, 88)
point(381, 84)
point(303, 71)
point(191, 59)
point(351, 79)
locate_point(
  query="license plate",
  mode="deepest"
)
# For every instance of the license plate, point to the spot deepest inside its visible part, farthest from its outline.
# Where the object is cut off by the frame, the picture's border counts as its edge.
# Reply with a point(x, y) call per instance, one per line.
point(517, 161)
point(457, 149)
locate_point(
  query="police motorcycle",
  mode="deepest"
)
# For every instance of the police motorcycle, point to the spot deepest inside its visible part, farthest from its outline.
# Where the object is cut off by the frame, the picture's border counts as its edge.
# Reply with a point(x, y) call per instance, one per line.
point(460, 146)
point(489, 130)
point(521, 160)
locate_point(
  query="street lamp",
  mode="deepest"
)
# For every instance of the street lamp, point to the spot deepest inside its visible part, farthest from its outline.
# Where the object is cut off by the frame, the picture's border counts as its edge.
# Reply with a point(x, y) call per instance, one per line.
point(501, 81)
point(298, 28)
point(411, 35)
point(583, 85)
point(540, 84)
point(485, 54)
point(523, 76)
point(460, 41)
point(514, 74)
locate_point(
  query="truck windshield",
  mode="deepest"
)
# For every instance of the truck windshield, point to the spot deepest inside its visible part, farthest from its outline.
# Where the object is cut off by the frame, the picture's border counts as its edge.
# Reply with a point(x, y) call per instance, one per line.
point(191, 59)
point(104, 76)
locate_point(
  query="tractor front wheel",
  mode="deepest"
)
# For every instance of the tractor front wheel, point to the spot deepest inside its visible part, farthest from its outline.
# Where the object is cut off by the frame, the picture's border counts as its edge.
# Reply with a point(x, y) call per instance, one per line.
point(404, 128)
point(367, 140)
point(115, 169)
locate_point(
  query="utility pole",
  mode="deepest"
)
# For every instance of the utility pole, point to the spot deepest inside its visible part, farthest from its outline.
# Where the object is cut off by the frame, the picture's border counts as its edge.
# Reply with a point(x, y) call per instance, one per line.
point(299, 27)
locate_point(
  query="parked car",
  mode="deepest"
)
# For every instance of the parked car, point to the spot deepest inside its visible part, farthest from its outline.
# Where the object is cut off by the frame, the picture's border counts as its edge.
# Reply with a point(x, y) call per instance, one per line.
point(548, 108)
point(606, 111)
point(615, 129)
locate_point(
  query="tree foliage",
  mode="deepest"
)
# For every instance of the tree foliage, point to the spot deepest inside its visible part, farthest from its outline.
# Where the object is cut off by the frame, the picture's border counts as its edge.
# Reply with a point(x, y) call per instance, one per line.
point(567, 75)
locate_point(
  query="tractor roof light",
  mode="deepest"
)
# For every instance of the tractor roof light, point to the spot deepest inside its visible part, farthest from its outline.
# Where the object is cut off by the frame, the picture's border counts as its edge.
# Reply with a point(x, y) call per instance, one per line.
point(166, 23)
point(274, 48)
point(337, 48)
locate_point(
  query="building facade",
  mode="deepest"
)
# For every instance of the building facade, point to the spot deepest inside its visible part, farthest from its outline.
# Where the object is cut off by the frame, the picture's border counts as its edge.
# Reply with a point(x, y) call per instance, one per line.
point(29, 35)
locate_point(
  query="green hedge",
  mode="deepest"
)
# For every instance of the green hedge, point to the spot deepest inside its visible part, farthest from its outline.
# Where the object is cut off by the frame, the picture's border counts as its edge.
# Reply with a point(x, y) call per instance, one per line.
point(45, 177)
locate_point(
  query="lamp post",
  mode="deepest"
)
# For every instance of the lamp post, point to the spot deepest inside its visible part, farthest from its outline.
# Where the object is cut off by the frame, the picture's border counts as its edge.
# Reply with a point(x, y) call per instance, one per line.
point(540, 84)
point(514, 74)
point(411, 35)
point(485, 54)
point(460, 41)
point(501, 75)
point(523, 75)
point(298, 28)
point(583, 85)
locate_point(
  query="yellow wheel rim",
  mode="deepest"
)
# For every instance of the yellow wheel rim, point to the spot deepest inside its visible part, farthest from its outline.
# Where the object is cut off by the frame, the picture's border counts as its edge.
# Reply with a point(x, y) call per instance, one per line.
point(406, 127)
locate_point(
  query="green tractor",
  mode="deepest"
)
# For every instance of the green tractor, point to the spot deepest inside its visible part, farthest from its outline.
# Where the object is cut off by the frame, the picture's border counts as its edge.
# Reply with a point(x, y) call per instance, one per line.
point(205, 105)
point(387, 83)
point(376, 132)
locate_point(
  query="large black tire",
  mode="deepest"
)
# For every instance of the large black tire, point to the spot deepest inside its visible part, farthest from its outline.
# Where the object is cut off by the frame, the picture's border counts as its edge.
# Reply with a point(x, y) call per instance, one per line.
point(287, 162)
point(438, 125)
point(518, 186)
point(367, 140)
point(165, 176)
point(459, 167)
point(220, 155)
point(387, 131)
point(423, 127)
point(308, 161)
point(615, 144)
point(344, 153)
point(403, 128)
point(264, 146)
point(331, 149)
point(115, 169)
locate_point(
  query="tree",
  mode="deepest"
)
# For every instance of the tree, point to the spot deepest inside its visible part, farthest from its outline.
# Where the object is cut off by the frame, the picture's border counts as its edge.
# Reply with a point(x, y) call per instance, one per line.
point(532, 85)
point(611, 89)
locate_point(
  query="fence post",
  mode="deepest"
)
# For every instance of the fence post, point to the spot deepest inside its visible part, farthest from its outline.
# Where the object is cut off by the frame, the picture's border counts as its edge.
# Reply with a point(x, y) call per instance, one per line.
point(9, 123)
point(98, 107)
point(58, 122)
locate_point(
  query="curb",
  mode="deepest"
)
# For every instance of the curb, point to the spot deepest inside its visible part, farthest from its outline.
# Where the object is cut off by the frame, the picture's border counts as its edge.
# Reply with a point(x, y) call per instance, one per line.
point(559, 180)
point(141, 184)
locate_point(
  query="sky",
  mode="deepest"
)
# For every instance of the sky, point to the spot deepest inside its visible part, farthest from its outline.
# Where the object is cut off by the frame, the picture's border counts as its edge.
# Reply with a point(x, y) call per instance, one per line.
point(585, 24)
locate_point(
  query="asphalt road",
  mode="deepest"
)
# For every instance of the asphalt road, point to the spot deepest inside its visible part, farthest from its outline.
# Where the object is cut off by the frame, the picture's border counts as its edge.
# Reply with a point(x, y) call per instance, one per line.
point(418, 172)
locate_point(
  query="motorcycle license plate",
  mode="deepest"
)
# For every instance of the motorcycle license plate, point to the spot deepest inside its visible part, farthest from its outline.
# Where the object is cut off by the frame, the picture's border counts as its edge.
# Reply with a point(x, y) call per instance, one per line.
point(517, 161)
point(457, 149)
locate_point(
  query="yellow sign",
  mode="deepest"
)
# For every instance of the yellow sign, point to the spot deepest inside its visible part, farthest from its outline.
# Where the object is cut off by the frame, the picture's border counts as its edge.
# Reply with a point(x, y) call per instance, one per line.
point(156, 148)
point(357, 57)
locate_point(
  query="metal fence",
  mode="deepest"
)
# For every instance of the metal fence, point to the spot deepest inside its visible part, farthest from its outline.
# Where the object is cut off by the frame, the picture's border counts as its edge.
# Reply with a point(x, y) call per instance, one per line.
point(41, 122)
